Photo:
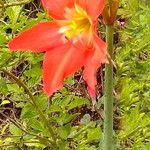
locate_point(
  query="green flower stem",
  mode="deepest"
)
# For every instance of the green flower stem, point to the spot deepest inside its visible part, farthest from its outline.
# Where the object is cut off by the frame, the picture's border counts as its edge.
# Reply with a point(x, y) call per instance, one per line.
point(34, 102)
point(108, 103)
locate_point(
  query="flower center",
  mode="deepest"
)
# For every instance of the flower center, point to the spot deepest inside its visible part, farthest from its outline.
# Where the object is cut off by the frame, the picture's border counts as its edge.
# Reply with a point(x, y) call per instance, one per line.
point(77, 22)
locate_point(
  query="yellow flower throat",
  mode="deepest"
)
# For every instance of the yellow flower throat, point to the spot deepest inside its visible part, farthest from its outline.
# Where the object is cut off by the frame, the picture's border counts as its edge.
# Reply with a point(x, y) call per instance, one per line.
point(77, 22)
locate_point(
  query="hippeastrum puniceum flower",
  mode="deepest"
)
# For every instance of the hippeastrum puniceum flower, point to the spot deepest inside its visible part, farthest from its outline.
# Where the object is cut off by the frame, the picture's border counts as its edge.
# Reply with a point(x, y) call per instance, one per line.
point(70, 41)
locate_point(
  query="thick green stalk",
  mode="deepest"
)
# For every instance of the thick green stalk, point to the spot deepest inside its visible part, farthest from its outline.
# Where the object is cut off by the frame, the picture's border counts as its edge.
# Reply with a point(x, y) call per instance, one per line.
point(108, 103)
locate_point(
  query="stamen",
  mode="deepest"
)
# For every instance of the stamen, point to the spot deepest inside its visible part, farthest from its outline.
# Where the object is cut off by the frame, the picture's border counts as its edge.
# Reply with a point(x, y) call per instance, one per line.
point(77, 22)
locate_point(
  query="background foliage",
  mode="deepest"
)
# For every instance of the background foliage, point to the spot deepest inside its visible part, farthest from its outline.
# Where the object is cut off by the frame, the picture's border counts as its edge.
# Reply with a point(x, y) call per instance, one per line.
point(77, 125)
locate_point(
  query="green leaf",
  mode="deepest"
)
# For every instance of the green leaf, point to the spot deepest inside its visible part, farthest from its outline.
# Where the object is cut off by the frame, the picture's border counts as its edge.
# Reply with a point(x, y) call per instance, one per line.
point(28, 111)
point(64, 118)
point(78, 101)
point(54, 108)
point(36, 124)
point(3, 38)
point(4, 128)
point(64, 131)
point(13, 13)
point(69, 80)
point(94, 134)
point(5, 102)
point(15, 130)
point(3, 85)
point(11, 148)
point(14, 88)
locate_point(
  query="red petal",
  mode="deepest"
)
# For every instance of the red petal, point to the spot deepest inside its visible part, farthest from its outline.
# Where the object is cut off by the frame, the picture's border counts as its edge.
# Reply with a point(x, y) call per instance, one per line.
point(59, 64)
point(56, 8)
point(93, 7)
point(96, 58)
point(39, 38)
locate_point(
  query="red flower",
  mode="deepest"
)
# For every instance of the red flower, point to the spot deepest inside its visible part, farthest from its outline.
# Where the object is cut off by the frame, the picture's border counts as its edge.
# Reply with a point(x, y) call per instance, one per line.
point(70, 42)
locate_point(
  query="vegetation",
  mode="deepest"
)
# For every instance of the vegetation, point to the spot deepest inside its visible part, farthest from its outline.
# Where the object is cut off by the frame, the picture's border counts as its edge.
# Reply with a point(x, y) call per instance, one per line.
point(29, 120)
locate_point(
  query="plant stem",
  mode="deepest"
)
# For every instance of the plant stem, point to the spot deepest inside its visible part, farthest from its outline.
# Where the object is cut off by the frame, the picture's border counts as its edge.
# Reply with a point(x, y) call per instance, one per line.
point(108, 103)
point(34, 103)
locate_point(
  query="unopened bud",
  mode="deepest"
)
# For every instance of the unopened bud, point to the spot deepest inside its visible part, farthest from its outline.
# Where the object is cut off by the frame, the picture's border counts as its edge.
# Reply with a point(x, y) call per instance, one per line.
point(110, 12)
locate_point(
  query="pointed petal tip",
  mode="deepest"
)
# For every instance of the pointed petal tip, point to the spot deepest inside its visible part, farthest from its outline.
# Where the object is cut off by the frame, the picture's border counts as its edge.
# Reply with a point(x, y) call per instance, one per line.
point(92, 92)
point(40, 38)
point(12, 46)
point(49, 91)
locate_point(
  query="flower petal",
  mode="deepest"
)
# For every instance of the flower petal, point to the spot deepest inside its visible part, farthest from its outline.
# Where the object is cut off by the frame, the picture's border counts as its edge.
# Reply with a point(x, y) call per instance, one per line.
point(96, 58)
point(89, 75)
point(59, 64)
point(93, 7)
point(56, 8)
point(40, 37)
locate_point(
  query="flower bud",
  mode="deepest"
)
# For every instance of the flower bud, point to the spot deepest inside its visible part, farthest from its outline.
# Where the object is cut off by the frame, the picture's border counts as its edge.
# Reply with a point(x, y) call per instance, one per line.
point(110, 12)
